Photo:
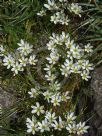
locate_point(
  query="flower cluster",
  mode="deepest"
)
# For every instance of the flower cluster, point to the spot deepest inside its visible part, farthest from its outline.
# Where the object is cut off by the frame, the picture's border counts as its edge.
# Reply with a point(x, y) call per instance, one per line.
point(65, 58)
point(17, 61)
point(74, 58)
point(73, 61)
point(55, 98)
point(58, 10)
point(45, 119)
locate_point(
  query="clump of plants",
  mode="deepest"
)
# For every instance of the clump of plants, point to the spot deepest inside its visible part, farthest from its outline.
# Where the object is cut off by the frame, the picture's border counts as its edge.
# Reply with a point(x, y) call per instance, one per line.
point(52, 110)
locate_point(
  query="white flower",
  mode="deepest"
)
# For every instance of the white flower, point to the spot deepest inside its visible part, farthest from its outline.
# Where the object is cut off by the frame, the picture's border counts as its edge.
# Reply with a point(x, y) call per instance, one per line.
point(55, 19)
point(60, 17)
point(32, 60)
point(54, 57)
point(47, 95)
point(71, 128)
point(65, 96)
point(16, 68)
point(65, 70)
point(59, 39)
point(50, 117)
point(58, 125)
point(88, 48)
point(64, 20)
point(76, 51)
point(87, 66)
point(56, 39)
point(81, 128)
point(77, 55)
point(50, 77)
point(55, 86)
point(51, 5)
point(32, 126)
point(42, 13)
point(68, 63)
point(75, 68)
point(8, 61)
point(43, 126)
point(80, 63)
point(64, 37)
point(51, 45)
point(69, 43)
point(49, 68)
point(24, 48)
point(38, 109)
point(23, 61)
point(70, 118)
point(74, 7)
point(85, 75)
point(56, 99)
point(33, 93)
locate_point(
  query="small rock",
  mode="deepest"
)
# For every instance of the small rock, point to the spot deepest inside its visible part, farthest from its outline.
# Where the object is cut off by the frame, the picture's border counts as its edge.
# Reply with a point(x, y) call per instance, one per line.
point(96, 85)
point(6, 99)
